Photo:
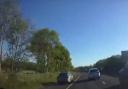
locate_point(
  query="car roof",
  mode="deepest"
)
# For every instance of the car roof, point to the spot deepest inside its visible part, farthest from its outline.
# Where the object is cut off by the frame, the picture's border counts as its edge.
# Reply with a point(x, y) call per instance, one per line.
point(93, 69)
point(64, 73)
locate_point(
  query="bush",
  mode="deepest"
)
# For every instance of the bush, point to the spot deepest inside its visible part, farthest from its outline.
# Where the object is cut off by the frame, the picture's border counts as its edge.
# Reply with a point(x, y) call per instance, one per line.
point(111, 65)
point(11, 81)
point(35, 80)
point(26, 80)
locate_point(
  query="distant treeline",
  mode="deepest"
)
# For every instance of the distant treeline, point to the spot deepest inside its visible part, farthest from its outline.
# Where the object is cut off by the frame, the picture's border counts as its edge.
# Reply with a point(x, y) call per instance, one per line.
point(111, 65)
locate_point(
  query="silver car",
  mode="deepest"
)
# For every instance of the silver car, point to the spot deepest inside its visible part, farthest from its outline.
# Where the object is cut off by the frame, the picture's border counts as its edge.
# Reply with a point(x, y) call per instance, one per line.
point(65, 77)
point(94, 73)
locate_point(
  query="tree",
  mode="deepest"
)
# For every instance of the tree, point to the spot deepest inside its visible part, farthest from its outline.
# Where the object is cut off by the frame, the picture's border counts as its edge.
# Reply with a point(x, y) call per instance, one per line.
point(3, 22)
point(5, 18)
point(51, 55)
point(61, 59)
point(13, 30)
point(17, 38)
point(41, 45)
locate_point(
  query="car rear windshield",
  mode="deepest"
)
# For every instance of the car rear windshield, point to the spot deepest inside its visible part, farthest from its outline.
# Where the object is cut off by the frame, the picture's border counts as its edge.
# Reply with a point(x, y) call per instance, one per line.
point(64, 74)
point(94, 70)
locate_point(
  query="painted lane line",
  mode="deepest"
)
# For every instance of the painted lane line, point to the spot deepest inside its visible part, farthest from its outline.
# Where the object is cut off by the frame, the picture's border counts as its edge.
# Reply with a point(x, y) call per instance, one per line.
point(69, 86)
point(77, 78)
point(103, 82)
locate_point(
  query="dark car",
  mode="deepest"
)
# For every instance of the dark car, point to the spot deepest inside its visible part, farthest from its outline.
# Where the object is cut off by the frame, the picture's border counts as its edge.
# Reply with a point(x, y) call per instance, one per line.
point(94, 73)
point(65, 77)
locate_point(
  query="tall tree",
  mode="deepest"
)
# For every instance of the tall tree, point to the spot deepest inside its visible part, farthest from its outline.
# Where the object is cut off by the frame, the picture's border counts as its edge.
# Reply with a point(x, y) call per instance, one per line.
point(49, 52)
point(17, 39)
point(13, 29)
point(6, 7)
point(41, 45)
point(61, 59)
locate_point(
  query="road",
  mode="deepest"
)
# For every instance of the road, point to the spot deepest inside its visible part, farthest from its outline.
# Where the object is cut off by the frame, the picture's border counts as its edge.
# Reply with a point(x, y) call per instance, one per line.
point(81, 82)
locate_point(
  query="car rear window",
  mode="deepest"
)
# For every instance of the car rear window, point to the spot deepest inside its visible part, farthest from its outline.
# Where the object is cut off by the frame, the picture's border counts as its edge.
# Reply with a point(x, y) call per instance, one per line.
point(64, 74)
point(94, 70)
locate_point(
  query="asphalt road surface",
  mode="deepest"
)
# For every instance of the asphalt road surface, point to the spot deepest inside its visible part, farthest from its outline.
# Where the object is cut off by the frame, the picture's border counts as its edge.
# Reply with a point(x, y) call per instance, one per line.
point(81, 82)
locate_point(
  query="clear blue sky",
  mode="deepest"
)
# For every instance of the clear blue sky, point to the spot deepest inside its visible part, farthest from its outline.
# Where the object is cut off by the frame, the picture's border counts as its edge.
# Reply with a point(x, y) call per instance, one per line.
point(90, 29)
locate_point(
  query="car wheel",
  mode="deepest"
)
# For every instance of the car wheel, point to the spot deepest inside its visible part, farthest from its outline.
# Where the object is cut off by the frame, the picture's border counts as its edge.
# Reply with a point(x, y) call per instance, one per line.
point(69, 81)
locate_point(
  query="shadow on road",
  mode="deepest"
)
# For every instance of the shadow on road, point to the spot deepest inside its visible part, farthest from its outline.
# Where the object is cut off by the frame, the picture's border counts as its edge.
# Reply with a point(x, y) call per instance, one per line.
point(82, 81)
point(56, 84)
point(61, 84)
point(118, 87)
point(114, 87)
point(53, 84)
point(50, 84)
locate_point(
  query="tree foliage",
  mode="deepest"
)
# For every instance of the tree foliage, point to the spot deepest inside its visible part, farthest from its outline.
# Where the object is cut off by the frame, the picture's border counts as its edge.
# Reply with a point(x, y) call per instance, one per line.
point(13, 31)
point(51, 55)
point(45, 45)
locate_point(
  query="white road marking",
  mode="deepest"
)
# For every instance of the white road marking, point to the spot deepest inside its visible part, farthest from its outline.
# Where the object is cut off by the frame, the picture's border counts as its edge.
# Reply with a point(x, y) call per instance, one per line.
point(77, 78)
point(103, 82)
point(69, 86)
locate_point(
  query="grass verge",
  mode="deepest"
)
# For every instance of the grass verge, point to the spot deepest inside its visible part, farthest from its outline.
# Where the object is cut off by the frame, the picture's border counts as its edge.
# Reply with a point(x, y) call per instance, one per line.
point(26, 80)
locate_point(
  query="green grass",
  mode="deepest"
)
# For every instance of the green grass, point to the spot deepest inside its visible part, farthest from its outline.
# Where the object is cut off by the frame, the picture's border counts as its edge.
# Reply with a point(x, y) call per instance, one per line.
point(36, 79)
point(28, 80)
point(3, 78)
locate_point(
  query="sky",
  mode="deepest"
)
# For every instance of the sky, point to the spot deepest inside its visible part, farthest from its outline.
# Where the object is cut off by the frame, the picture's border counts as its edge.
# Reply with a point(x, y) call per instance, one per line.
point(90, 29)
